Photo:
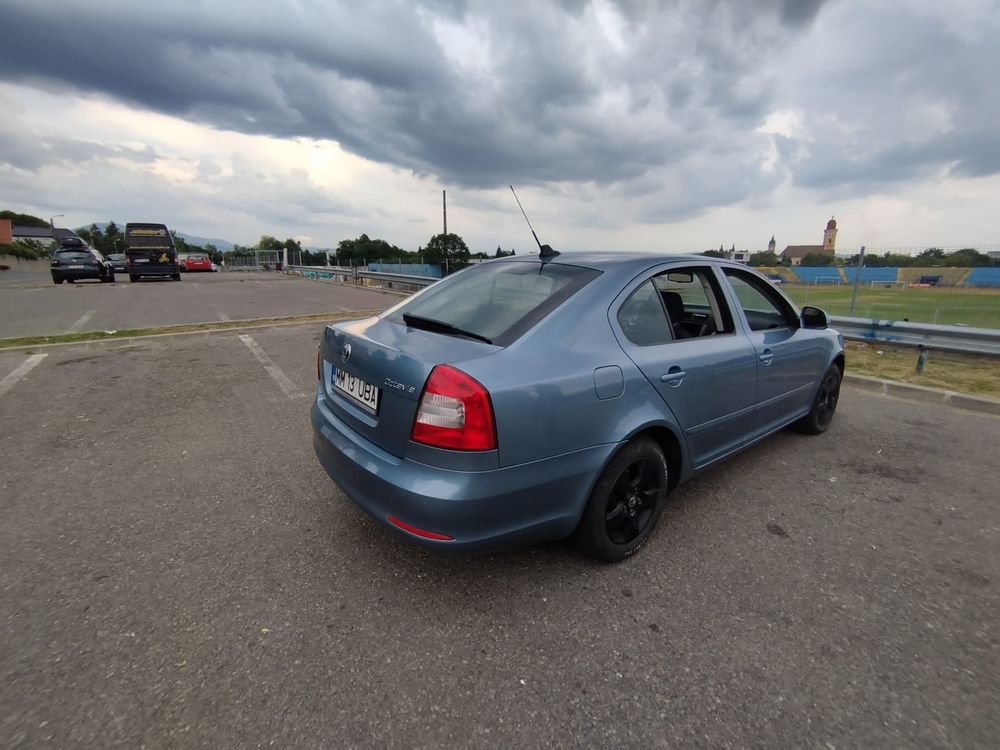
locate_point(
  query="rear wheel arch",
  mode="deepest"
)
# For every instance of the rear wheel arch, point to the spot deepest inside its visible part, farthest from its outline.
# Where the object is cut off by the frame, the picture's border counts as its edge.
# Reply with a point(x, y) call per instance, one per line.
point(671, 447)
point(668, 442)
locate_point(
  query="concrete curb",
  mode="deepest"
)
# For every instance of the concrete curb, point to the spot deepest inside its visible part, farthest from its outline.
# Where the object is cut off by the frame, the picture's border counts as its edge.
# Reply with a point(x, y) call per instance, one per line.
point(924, 394)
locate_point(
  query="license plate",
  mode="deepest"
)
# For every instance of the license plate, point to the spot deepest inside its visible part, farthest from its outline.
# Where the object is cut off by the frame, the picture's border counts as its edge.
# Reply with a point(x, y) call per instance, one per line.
point(140, 260)
point(364, 393)
point(76, 266)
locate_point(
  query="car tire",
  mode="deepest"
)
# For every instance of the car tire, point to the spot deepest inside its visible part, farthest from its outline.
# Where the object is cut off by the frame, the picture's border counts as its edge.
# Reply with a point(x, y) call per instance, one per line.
point(626, 502)
point(176, 277)
point(70, 281)
point(824, 405)
point(57, 280)
point(132, 277)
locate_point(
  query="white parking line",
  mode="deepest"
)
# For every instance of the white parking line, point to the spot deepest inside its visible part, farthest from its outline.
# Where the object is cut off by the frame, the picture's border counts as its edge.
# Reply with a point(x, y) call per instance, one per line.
point(23, 369)
point(81, 322)
point(283, 381)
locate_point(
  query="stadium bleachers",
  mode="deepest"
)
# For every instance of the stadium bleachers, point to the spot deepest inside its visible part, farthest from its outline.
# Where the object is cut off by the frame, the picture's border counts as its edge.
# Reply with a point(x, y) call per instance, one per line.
point(983, 277)
point(785, 273)
point(878, 275)
point(946, 276)
point(818, 275)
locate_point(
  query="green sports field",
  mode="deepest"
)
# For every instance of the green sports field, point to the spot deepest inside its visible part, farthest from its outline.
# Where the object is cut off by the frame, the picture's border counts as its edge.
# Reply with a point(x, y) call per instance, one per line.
point(949, 306)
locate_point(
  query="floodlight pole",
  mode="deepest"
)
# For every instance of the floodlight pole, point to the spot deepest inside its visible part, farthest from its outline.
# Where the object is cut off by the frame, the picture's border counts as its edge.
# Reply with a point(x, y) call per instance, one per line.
point(857, 279)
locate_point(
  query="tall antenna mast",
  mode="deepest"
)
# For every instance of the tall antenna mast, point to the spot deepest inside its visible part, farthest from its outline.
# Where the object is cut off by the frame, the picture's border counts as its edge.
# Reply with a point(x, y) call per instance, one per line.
point(444, 209)
point(545, 252)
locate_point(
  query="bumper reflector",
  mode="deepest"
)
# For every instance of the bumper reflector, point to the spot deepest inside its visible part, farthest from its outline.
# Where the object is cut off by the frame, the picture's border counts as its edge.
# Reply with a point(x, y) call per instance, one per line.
point(420, 532)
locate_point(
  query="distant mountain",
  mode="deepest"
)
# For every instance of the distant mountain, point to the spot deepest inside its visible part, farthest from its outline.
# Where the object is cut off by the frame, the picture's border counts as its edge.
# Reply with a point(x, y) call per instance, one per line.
point(222, 246)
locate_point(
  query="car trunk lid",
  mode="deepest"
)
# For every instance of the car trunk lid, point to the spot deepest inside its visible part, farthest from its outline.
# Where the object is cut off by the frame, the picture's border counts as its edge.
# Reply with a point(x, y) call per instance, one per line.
point(395, 359)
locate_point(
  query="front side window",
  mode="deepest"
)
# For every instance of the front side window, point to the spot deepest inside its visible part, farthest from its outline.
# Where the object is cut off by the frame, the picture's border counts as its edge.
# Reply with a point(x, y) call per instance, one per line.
point(763, 306)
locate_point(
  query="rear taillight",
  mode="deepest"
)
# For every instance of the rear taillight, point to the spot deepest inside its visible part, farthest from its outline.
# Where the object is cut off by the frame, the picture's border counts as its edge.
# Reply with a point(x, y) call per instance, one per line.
point(128, 261)
point(455, 412)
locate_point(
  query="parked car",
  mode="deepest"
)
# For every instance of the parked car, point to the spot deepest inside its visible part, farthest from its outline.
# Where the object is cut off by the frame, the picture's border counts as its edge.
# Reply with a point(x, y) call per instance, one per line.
point(197, 262)
point(117, 261)
point(522, 400)
point(73, 260)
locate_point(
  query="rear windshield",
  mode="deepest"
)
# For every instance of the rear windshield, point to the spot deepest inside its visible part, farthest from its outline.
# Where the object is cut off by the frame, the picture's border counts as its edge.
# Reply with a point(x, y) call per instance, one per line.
point(197, 257)
point(78, 252)
point(498, 301)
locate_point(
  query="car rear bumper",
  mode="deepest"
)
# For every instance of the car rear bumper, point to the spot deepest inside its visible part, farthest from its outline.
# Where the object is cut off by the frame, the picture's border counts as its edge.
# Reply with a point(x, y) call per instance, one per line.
point(91, 272)
point(141, 269)
point(503, 507)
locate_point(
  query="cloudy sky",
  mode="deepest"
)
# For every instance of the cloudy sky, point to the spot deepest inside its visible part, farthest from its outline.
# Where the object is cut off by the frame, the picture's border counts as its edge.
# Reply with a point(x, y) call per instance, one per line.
point(631, 124)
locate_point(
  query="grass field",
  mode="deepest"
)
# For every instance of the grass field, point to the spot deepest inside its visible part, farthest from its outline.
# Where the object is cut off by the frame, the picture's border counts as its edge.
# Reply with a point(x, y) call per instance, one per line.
point(948, 306)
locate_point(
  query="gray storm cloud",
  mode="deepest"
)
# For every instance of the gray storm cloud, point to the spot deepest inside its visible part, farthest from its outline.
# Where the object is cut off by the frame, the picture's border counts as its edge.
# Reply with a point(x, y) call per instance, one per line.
point(666, 99)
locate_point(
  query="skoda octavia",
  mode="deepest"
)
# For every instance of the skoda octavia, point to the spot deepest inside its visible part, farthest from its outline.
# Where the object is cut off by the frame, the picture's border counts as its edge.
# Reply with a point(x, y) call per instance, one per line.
point(527, 399)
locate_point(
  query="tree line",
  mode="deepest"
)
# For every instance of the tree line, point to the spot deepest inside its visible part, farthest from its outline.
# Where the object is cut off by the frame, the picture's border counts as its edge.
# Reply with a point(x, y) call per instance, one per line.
point(447, 250)
point(932, 257)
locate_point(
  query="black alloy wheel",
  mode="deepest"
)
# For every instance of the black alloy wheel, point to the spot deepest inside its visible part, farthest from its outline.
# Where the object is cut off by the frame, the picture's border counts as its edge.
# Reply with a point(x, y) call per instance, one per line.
point(632, 501)
point(820, 417)
point(625, 503)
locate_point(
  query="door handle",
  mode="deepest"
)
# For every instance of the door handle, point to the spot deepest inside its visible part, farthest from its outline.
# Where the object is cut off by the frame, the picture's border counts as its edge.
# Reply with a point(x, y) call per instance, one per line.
point(766, 357)
point(674, 376)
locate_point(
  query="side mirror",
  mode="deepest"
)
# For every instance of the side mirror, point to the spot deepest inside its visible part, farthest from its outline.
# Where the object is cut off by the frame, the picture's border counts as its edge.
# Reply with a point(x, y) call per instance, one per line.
point(813, 317)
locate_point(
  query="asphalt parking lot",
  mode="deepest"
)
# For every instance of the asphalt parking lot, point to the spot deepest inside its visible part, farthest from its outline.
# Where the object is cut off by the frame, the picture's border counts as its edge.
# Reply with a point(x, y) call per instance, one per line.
point(177, 570)
point(31, 305)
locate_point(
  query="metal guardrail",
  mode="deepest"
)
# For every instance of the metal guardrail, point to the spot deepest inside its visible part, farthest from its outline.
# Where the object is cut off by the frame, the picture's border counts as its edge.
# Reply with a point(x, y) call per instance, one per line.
point(943, 338)
point(940, 337)
point(400, 281)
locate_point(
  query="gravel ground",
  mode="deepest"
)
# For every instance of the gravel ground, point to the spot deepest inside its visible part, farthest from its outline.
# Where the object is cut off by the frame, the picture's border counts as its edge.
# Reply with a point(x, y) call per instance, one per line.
point(177, 570)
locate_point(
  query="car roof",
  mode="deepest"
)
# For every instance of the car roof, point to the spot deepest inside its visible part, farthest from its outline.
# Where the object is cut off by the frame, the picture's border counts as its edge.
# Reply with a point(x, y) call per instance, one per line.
point(619, 261)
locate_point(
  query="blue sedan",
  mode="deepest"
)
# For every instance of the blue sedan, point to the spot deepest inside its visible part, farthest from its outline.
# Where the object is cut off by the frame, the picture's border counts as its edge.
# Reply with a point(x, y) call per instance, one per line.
point(528, 399)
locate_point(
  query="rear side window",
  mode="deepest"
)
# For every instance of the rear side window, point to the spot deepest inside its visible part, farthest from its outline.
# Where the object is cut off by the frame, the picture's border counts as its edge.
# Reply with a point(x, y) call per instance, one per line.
point(498, 301)
point(643, 319)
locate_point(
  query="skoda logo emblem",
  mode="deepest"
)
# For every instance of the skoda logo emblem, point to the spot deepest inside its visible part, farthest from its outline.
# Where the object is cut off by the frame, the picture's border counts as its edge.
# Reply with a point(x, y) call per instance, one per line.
point(346, 353)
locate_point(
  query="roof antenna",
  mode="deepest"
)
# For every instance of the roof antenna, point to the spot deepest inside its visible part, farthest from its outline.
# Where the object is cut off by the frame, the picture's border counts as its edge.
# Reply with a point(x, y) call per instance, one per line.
point(545, 251)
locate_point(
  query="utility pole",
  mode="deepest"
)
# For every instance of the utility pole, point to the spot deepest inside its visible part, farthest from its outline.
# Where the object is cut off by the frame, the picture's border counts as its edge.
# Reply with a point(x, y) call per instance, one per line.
point(444, 209)
point(857, 279)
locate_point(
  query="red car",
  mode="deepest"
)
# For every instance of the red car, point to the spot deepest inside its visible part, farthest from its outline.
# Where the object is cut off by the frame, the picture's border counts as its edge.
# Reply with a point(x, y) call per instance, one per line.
point(197, 262)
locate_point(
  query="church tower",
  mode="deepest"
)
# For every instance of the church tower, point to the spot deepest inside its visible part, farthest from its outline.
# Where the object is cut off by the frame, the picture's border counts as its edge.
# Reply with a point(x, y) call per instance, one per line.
point(771, 245)
point(830, 237)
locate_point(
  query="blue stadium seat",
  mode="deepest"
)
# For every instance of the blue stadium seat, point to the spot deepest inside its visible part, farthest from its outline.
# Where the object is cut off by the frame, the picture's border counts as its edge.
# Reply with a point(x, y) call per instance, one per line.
point(818, 275)
point(983, 277)
point(876, 274)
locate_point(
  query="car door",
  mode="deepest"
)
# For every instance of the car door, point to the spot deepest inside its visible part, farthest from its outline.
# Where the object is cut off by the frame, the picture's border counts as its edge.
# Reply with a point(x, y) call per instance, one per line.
point(708, 380)
point(787, 354)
